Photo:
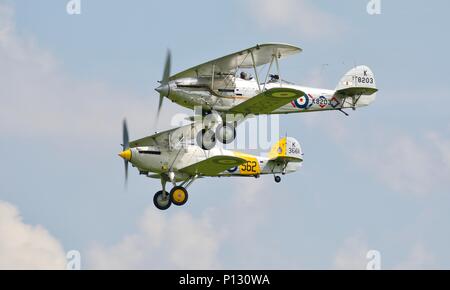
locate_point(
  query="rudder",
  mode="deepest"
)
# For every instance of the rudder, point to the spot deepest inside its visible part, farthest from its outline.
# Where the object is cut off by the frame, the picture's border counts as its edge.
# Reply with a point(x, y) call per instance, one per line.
point(358, 81)
point(287, 149)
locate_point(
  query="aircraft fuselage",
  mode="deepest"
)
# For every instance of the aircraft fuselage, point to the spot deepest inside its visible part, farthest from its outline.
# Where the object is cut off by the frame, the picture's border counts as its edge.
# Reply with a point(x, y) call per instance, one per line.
point(193, 92)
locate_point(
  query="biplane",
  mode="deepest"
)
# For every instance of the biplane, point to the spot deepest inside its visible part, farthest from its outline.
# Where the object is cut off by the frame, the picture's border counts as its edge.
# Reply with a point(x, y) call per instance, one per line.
point(228, 93)
point(174, 157)
point(225, 86)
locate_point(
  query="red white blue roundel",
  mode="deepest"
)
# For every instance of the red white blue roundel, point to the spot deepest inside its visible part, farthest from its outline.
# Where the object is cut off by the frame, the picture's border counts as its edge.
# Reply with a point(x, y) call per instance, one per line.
point(304, 102)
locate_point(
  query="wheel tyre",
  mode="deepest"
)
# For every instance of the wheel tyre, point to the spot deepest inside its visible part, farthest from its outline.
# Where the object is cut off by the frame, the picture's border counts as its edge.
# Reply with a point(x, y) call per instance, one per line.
point(179, 195)
point(277, 179)
point(221, 129)
point(209, 137)
point(160, 203)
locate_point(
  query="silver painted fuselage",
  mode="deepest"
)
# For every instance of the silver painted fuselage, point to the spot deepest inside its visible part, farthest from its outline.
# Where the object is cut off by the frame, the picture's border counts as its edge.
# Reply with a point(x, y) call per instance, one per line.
point(197, 92)
point(155, 160)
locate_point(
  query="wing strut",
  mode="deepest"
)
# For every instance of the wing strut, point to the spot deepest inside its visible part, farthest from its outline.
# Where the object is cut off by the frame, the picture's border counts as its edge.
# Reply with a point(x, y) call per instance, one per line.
point(256, 71)
point(278, 71)
point(212, 76)
point(268, 71)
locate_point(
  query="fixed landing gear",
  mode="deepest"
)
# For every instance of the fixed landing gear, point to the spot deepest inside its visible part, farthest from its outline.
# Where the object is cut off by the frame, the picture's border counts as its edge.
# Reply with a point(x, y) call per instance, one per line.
point(277, 179)
point(225, 133)
point(177, 196)
point(162, 201)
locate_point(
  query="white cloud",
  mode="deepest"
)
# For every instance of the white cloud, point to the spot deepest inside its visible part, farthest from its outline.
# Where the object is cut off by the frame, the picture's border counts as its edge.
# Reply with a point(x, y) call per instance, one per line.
point(164, 241)
point(352, 254)
point(40, 100)
point(408, 164)
point(442, 147)
point(176, 239)
point(419, 258)
point(23, 246)
point(299, 17)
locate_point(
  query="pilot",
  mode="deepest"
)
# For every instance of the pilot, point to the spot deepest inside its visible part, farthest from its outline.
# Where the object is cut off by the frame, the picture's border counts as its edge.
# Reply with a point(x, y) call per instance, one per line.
point(274, 77)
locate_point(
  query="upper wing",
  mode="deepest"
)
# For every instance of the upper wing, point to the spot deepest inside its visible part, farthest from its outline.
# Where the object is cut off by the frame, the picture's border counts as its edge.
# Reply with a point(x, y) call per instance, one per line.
point(213, 166)
point(169, 137)
point(268, 101)
point(262, 54)
point(153, 140)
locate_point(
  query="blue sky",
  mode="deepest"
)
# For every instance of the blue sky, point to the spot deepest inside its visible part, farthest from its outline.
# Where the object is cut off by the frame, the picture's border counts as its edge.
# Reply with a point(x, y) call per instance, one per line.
point(378, 179)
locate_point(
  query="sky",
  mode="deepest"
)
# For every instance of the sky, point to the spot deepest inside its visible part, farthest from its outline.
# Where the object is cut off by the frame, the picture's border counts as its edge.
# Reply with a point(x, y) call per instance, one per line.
point(376, 180)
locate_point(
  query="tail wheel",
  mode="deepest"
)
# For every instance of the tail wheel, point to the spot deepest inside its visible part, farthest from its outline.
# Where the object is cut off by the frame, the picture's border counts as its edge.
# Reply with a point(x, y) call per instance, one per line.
point(277, 179)
point(178, 195)
point(160, 202)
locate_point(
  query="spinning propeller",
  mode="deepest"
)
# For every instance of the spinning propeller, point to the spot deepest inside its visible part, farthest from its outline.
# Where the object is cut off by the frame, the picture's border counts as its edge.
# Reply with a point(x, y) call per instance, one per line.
point(126, 151)
point(163, 89)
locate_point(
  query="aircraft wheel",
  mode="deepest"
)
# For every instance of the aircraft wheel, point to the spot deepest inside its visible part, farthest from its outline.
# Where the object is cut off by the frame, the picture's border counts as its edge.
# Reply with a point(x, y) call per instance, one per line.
point(160, 202)
point(206, 139)
point(277, 179)
point(226, 133)
point(178, 195)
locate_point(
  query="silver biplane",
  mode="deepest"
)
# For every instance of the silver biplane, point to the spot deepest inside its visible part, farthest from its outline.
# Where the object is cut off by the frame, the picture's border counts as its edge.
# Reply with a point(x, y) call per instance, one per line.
point(227, 94)
point(224, 88)
point(173, 156)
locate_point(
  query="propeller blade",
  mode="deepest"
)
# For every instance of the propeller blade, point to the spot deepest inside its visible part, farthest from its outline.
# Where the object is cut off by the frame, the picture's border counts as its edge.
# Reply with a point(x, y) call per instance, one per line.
point(163, 89)
point(166, 74)
point(125, 146)
point(125, 138)
point(126, 171)
point(161, 99)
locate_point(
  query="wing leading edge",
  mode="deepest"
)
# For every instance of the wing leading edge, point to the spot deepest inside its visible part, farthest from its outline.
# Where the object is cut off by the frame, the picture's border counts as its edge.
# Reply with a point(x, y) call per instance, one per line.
point(262, 53)
point(213, 165)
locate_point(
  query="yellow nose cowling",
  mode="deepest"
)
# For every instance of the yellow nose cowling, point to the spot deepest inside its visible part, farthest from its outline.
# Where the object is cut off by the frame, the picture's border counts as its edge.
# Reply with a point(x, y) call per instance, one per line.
point(126, 154)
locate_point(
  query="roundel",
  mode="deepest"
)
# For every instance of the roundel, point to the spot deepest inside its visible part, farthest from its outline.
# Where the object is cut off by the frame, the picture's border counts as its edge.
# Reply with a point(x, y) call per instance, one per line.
point(304, 102)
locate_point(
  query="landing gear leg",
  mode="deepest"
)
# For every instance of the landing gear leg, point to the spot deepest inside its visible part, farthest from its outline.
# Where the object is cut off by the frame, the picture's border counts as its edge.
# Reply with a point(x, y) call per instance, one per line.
point(161, 199)
point(163, 185)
